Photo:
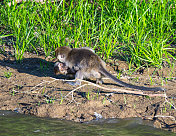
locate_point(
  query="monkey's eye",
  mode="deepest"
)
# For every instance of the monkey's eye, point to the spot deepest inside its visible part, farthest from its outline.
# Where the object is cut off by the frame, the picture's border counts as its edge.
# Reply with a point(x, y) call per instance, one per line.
point(62, 56)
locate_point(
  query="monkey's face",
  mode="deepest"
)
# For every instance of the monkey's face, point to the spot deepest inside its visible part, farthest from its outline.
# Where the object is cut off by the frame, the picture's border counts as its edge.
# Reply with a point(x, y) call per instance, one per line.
point(60, 68)
point(61, 58)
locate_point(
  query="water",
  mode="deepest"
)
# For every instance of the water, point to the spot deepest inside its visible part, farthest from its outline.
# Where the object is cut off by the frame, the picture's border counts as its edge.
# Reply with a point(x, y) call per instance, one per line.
point(13, 124)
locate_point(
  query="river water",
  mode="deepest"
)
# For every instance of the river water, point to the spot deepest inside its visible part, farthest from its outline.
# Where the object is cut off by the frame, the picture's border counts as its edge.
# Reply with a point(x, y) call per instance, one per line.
point(14, 124)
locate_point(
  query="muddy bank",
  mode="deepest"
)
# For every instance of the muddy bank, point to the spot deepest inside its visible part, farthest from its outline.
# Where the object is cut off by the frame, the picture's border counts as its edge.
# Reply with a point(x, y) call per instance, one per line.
point(29, 88)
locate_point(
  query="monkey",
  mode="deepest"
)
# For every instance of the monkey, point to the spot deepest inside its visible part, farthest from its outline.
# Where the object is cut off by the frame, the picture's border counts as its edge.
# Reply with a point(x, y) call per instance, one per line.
point(61, 68)
point(87, 64)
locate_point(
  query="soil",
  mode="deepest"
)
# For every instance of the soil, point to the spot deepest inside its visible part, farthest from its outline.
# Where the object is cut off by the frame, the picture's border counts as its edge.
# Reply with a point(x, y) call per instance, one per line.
point(30, 87)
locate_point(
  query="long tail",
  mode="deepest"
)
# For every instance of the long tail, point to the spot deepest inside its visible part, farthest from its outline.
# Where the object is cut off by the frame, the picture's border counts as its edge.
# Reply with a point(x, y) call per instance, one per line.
point(121, 83)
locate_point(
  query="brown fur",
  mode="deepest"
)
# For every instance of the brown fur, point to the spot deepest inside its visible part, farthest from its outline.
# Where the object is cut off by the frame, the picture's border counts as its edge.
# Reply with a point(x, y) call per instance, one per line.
point(87, 64)
point(60, 68)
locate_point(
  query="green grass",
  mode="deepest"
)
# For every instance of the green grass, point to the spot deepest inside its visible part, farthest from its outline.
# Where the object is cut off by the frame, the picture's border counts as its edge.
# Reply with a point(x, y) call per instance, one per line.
point(141, 32)
point(7, 74)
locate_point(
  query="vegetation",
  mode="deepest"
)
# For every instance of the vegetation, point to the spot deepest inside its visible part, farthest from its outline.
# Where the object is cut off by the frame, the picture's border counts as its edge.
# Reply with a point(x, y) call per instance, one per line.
point(142, 32)
point(7, 74)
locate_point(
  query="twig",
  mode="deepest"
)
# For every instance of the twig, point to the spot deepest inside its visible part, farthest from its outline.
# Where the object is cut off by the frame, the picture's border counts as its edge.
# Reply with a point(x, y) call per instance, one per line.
point(160, 116)
point(120, 90)
point(49, 82)
point(75, 90)
point(105, 88)
point(38, 85)
point(169, 103)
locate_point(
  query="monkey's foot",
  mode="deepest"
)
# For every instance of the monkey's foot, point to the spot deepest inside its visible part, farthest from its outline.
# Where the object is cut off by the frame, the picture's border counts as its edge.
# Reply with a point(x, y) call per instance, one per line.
point(98, 81)
point(73, 83)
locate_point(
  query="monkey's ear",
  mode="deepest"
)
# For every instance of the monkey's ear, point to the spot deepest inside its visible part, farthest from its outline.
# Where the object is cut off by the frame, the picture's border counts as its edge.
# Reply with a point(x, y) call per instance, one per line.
point(56, 50)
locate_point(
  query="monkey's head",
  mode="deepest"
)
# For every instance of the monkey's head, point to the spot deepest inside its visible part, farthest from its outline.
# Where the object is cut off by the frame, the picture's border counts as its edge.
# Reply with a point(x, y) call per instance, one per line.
point(60, 68)
point(62, 52)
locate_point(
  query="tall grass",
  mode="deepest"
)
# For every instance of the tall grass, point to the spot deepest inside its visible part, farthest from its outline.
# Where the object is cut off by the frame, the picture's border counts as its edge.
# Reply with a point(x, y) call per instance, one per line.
point(140, 31)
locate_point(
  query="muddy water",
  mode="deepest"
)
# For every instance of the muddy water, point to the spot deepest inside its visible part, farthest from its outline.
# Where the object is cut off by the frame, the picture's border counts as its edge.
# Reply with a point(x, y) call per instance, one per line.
point(16, 124)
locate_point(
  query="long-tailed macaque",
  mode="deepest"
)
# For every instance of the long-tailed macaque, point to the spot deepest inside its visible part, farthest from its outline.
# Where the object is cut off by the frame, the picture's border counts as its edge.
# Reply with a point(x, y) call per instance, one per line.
point(87, 64)
point(62, 69)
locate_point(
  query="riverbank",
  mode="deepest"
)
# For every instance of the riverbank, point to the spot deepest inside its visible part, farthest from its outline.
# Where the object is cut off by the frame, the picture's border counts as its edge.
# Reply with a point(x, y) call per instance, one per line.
point(30, 87)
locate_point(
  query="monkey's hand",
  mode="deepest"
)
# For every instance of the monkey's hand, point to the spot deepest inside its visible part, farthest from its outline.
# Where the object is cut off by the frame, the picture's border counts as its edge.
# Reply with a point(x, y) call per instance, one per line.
point(71, 71)
point(76, 68)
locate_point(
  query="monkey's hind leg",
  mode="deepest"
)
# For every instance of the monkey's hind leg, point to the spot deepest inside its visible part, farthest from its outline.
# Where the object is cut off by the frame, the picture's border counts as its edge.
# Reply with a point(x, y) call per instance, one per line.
point(98, 76)
point(78, 75)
